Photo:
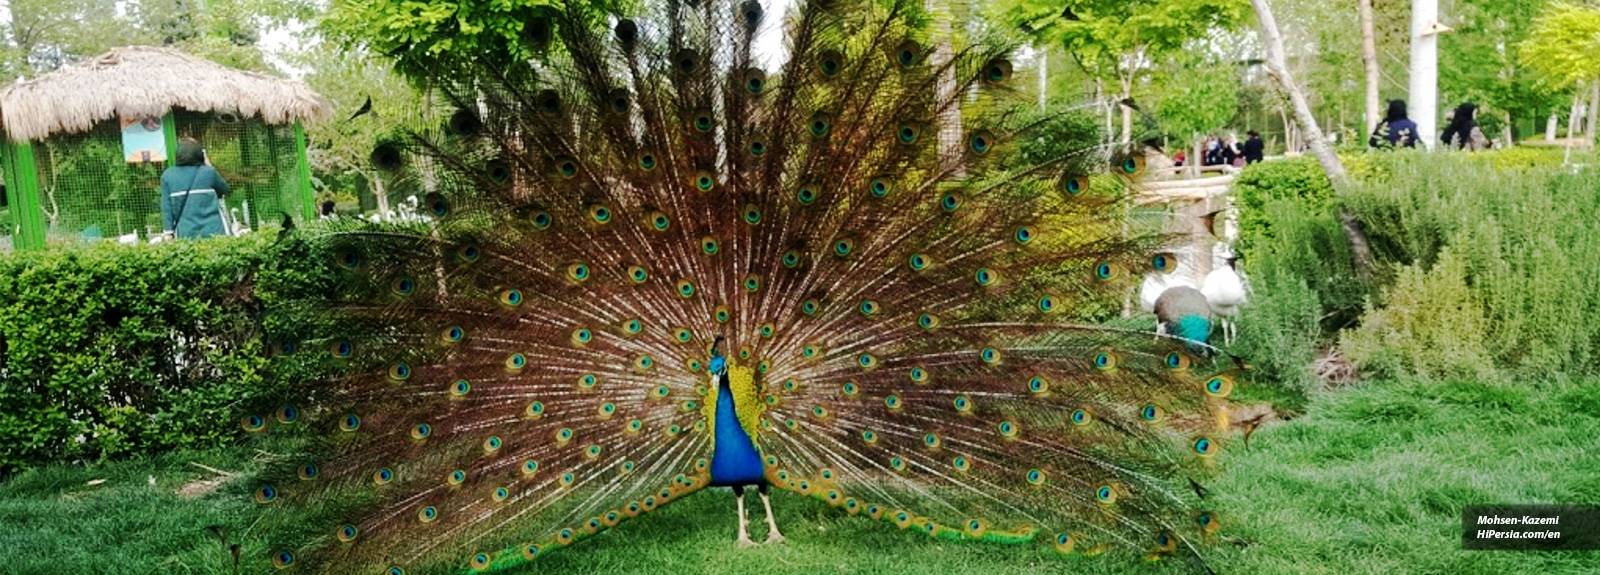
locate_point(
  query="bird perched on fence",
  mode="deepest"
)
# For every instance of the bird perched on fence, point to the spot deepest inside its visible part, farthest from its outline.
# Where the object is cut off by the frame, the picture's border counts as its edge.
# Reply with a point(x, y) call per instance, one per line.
point(1225, 291)
point(653, 266)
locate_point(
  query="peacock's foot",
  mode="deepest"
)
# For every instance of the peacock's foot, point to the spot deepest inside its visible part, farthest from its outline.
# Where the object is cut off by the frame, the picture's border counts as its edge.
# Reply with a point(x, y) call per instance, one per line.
point(744, 542)
point(774, 537)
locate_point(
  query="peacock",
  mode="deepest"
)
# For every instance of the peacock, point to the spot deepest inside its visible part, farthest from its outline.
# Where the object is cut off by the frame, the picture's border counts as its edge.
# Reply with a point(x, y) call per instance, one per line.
point(652, 267)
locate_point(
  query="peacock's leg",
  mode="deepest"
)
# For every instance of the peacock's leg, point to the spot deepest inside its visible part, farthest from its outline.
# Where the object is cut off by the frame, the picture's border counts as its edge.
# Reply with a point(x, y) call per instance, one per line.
point(773, 536)
point(744, 523)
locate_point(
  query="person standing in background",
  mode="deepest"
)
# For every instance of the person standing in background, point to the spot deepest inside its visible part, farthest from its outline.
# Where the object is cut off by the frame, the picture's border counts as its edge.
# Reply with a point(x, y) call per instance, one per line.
point(1254, 149)
point(191, 194)
point(1396, 130)
point(1463, 132)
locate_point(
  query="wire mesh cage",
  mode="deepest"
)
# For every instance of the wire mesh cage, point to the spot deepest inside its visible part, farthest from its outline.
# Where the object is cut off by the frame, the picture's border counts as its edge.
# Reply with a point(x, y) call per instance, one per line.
point(86, 190)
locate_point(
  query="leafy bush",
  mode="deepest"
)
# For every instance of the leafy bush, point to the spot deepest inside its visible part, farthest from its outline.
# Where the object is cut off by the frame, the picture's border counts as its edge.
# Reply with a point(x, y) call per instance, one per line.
point(108, 350)
point(1430, 326)
point(1523, 239)
point(1297, 179)
point(1279, 333)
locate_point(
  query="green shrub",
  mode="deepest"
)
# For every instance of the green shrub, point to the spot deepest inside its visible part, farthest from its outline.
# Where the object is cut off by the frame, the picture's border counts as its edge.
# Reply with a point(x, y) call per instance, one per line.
point(1279, 333)
point(1298, 179)
point(109, 350)
point(1523, 238)
point(1430, 326)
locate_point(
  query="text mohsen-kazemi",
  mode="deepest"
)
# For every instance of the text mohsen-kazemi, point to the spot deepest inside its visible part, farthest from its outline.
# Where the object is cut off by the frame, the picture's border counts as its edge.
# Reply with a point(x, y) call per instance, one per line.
point(1524, 520)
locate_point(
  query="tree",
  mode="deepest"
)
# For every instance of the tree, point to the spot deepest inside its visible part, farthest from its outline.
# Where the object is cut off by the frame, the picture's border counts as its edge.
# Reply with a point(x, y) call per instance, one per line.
point(1369, 62)
point(1278, 67)
point(348, 77)
point(1483, 65)
point(1194, 92)
point(1115, 40)
point(1562, 49)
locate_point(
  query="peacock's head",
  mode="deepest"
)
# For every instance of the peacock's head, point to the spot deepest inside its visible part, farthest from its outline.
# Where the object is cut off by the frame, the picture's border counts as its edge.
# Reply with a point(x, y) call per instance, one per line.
point(719, 362)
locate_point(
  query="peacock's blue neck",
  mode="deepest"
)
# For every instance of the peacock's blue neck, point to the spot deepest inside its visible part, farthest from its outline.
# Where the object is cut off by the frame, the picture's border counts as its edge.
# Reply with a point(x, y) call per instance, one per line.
point(734, 460)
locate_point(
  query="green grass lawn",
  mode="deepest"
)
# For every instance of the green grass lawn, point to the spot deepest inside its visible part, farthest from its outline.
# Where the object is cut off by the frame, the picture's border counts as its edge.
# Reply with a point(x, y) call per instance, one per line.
point(1371, 480)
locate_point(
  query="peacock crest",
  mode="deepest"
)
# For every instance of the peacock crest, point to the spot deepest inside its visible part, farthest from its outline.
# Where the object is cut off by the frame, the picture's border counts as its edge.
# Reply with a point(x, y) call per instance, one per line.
point(869, 275)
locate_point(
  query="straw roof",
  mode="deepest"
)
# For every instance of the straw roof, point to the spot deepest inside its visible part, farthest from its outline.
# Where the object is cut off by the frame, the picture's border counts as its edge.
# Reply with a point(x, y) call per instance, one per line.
point(149, 81)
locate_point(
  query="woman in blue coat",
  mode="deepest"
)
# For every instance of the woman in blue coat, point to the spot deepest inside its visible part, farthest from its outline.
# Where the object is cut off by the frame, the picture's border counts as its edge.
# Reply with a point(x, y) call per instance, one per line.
point(191, 194)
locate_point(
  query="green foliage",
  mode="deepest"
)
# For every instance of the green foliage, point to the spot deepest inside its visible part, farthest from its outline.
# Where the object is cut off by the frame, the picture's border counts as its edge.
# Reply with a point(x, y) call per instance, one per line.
point(1479, 63)
point(1520, 238)
point(1196, 94)
point(430, 40)
point(1299, 179)
point(1563, 43)
point(1430, 326)
point(1280, 332)
point(109, 350)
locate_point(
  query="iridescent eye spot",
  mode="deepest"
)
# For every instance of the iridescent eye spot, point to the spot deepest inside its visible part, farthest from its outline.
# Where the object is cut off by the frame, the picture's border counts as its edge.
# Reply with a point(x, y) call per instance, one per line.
point(879, 187)
point(963, 404)
point(843, 248)
point(343, 349)
point(588, 381)
point(869, 307)
point(403, 286)
point(511, 297)
point(1047, 303)
point(819, 412)
point(1080, 417)
point(460, 388)
point(685, 288)
point(632, 326)
point(893, 402)
point(348, 260)
point(1219, 386)
point(927, 321)
point(660, 221)
point(1008, 429)
point(767, 330)
point(1150, 413)
point(982, 141)
point(710, 245)
point(806, 195)
point(919, 262)
point(308, 471)
point(752, 215)
point(421, 431)
point(1023, 235)
point(564, 434)
point(989, 355)
point(790, 385)
point(1204, 447)
point(722, 315)
point(809, 307)
point(1177, 361)
point(400, 372)
point(348, 533)
point(530, 467)
point(791, 259)
point(541, 219)
point(987, 277)
point(930, 440)
point(383, 476)
point(867, 361)
point(282, 559)
point(950, 202)
point(457, 477)
point(1104, 271)
point(578, 272)
point(1105, 494)
point(516, 361)
point(253, 423)
point(350, 422)
point(919, 375)
point(480, 561)
point(534, 409)
point(1036, 477)
point(266, 494)
point(500, 494)
point(454, 334)
point(1104, 361)
point(899, 465)
point(1038, 385)
point(869, 436)
point(704, 182)
point(647, 161)
point(758, 148)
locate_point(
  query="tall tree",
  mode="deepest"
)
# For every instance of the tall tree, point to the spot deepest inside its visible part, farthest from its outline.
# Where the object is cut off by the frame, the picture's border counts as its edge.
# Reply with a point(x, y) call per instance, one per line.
point(1369, 61)
point(1480, 62)
point(1278, 67)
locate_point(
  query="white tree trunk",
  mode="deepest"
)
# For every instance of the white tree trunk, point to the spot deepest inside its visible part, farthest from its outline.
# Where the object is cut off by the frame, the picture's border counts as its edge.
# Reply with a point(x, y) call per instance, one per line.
point(1551, 126)
point(1575, 117)
point(1369, 55)
point(1424, 105)
point(1277, 67)
point(1594, 108)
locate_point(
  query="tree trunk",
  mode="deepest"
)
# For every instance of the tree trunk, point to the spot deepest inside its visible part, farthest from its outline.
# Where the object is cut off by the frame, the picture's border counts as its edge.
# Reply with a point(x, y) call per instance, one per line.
point(1575, 116)
point(1278, 68)
point(1594, 108)
point(1507, 133)
point(1369, 55)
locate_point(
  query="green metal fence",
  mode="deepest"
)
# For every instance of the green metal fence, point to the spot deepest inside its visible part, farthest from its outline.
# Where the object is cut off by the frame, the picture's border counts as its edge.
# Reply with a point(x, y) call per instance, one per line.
point(84, 190)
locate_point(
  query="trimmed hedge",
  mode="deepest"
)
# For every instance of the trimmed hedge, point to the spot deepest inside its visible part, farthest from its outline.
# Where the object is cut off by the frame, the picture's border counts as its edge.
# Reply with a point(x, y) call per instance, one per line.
point(110, 350)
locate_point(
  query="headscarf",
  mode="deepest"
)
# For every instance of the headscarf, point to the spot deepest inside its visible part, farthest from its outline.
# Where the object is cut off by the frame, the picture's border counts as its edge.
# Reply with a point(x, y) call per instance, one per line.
point(1397, 111)
point(1461, 125)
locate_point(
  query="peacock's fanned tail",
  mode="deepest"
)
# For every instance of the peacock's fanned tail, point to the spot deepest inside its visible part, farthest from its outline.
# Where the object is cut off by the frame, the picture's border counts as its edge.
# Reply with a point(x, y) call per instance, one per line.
point(913, 268)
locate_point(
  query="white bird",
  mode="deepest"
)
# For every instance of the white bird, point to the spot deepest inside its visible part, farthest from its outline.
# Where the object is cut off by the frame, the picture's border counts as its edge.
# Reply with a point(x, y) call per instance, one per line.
point(1225, 291)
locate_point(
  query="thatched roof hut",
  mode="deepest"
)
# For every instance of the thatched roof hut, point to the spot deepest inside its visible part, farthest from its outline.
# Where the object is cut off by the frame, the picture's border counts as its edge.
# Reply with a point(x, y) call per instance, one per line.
point(148, 81)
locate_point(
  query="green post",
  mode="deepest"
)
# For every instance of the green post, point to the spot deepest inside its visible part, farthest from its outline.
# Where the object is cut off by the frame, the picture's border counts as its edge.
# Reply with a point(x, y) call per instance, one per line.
point(169, 129)
point(22, 191)
point(303, 164)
